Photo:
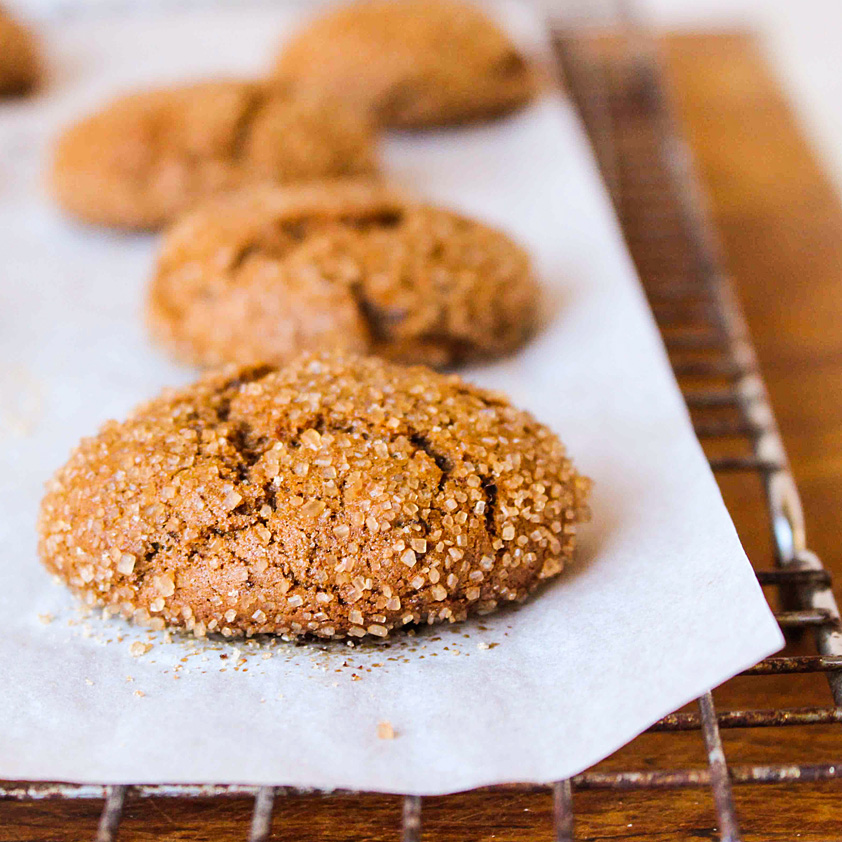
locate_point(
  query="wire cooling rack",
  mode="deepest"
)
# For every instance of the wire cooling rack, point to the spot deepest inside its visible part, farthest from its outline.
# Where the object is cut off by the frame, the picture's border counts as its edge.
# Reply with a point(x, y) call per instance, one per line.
point(618, 88)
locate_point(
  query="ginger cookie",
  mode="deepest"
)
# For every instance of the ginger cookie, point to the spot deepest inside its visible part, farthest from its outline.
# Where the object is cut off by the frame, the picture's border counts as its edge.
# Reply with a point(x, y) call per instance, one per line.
point(336, 496)
point(147, 157)
point(269, 271)
point(19, 63)
point(411, 63)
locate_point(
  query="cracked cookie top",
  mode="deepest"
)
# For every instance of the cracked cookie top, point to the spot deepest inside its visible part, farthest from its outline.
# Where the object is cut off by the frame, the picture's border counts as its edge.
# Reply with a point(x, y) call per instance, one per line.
point(19, 62)
point(410, 63)
point(269, 271)
point(336, 496)
point(147, 157)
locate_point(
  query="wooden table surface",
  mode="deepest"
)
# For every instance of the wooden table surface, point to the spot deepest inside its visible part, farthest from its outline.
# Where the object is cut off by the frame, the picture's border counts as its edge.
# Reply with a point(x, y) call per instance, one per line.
point(781, 227)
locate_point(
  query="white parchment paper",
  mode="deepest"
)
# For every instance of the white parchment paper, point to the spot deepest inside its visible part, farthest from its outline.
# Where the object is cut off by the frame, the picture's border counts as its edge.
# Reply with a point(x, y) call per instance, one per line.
point(661, 605)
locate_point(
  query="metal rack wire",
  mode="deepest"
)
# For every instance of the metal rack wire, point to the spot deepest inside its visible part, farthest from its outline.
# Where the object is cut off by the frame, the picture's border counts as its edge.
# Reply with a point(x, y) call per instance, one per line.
point(647, 167)
point(649, 172)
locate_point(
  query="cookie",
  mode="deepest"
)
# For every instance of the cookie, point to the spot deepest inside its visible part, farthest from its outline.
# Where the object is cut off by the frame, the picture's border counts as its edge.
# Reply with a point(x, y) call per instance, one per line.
point(19, 65)
point(148, 157)
point(337, 496)
point(270, 271)
point(411, 63)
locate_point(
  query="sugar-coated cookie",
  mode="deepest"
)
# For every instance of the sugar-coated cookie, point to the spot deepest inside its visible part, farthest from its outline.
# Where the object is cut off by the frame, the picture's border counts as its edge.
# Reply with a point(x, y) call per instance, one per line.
point(19, 62)
point(147, 157)
point(336, 496)
point(411, 63)
point(270, 271)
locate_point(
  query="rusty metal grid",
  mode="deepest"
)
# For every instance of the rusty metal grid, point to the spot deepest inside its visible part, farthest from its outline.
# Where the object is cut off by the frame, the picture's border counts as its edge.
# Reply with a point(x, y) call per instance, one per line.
point(648, 170)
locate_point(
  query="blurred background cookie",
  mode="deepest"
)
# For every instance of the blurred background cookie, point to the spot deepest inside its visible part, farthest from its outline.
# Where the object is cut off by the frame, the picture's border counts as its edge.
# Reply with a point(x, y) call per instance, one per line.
point(149, 156)
point(411, 63)
point(269, 271)
point(336, 496)
point(19, 62)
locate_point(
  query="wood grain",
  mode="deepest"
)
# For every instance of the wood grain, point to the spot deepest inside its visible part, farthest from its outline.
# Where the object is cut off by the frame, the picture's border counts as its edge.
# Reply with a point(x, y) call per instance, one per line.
point(781, 226)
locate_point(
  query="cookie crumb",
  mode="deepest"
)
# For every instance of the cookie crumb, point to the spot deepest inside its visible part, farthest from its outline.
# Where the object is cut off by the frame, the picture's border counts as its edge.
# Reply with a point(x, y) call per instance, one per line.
point(139, 693)
point(46, 618)
point(139, 648)
point(385, 731)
